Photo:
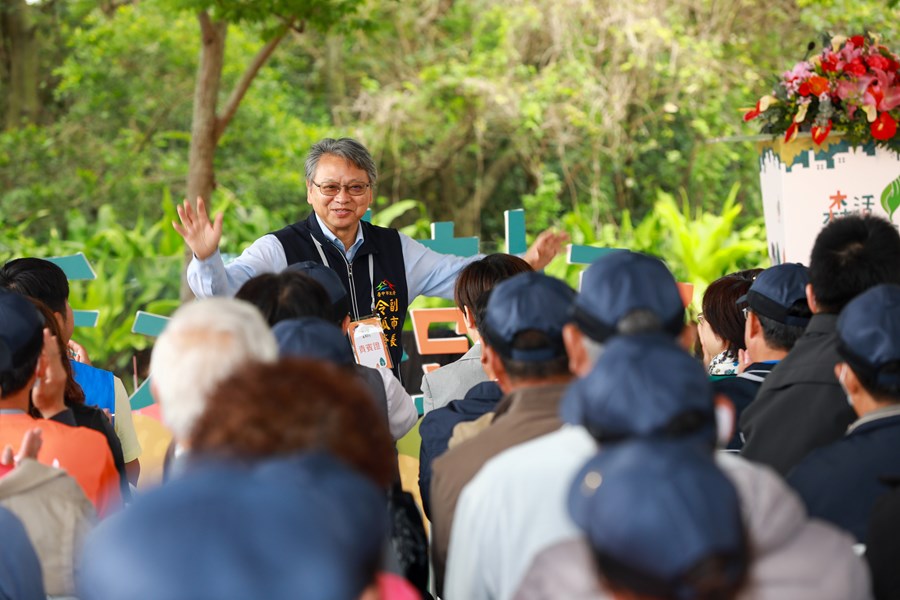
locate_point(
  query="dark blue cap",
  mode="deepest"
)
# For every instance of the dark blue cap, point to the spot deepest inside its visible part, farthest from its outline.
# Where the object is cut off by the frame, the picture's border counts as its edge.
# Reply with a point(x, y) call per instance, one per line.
point(659, 508)
point(622, 282)
point(311, 337)
point(869, 336)
point(641, 386)
point(527, 302)
point(305, 526)
point(776, 290)
point(21, 330)
point(329, 280)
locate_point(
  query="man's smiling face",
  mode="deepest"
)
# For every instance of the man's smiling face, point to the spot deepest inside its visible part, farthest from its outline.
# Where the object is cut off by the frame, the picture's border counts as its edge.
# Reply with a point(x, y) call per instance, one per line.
point(340, 213)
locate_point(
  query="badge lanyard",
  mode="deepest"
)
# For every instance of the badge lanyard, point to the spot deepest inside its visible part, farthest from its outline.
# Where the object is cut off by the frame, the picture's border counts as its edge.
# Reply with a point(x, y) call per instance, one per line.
point(366, 335)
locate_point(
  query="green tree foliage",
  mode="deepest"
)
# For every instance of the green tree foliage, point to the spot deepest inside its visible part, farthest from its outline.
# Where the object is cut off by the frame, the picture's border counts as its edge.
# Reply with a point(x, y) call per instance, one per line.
point(594, 115)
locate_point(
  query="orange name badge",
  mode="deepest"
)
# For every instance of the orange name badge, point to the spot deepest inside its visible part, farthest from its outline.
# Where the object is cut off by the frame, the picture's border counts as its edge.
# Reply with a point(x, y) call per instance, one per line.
point(369, 343)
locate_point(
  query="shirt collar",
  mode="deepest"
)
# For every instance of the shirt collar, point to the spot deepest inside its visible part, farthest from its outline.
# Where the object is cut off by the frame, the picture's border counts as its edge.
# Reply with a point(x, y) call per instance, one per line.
point(878, 413)
point(338, 243)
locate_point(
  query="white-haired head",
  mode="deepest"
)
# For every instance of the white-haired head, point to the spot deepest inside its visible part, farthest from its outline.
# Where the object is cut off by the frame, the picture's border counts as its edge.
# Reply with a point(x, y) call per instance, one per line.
point(203, 344)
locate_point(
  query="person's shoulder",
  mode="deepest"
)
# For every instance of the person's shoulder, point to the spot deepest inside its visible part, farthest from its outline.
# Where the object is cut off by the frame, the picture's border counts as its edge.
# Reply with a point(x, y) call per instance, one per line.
point(386, 232)
point(89, 440)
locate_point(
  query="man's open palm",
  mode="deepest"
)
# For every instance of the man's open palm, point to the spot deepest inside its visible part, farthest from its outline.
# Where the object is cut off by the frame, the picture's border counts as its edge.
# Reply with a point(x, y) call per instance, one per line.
point(199, 233)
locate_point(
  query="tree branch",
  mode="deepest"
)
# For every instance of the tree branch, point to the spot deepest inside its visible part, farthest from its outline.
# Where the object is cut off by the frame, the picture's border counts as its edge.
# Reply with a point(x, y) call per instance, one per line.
point(237, 94)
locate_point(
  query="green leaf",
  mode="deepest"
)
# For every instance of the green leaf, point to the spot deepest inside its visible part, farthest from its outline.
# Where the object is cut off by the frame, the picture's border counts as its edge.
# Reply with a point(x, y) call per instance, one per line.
point(890, 198)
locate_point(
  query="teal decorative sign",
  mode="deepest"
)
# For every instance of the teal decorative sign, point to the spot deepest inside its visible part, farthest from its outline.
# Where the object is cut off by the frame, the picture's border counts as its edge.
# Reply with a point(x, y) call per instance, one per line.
point(85, 318)
point(442, 241)
point(515, 231)
point(149, 324)
point(142, 398)
point(585, 255)
point(76, 267)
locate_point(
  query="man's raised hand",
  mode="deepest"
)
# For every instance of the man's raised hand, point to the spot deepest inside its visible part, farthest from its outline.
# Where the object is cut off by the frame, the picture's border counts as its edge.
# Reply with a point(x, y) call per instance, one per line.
point(199, 233)
point(547, 245)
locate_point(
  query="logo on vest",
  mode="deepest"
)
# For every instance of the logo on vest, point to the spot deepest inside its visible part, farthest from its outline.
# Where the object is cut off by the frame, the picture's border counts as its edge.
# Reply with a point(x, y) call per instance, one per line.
point(387, 307)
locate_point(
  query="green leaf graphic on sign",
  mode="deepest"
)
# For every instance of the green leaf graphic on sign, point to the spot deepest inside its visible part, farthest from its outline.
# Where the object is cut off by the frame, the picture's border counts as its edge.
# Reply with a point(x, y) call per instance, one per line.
point(890, 198)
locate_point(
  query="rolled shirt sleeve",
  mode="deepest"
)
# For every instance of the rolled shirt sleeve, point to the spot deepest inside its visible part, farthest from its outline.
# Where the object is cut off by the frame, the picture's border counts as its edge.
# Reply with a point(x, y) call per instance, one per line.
point(212, 277)
point(430, 273)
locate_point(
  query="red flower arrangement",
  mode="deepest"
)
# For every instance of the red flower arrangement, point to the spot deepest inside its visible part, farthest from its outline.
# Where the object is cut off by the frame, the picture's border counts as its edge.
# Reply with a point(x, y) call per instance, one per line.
point(852, 86)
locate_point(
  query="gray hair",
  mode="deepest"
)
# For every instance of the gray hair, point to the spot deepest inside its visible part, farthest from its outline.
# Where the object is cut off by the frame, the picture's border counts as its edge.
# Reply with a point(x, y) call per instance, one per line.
point(346, 148)
point(204, 343)
point(636, 322)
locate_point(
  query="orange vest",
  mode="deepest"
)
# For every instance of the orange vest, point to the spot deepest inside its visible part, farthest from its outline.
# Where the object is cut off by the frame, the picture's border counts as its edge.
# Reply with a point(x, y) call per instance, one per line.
point(83, 453)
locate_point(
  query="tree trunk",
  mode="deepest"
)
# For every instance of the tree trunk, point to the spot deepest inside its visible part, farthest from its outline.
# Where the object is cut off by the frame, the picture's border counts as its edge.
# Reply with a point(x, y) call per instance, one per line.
point(18, 33)
point(468, 221)
point(201, 176)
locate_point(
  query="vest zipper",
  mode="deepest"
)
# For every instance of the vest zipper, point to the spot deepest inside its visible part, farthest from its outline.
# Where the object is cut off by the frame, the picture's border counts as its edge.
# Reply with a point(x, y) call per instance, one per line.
point(352, 287)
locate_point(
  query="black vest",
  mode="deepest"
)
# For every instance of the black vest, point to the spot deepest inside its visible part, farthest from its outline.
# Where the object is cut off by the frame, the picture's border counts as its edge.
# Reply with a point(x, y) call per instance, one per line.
point(391, 292)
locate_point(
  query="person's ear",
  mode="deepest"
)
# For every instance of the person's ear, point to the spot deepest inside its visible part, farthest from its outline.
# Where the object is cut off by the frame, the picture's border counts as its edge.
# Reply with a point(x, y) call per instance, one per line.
point(469, 318)
point(848, 379)
point(753, 328)
point(811, 299)
point(486, 364)
point(573, 339)
point(345, 324)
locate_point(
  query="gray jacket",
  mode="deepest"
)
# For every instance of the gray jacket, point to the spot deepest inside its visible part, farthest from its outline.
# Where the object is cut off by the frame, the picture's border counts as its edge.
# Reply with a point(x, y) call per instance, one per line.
point(794, 557)
point(451, 382)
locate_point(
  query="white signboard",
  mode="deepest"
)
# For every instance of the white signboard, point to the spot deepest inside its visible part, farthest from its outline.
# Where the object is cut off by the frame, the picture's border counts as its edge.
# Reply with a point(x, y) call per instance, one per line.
point(804, 187)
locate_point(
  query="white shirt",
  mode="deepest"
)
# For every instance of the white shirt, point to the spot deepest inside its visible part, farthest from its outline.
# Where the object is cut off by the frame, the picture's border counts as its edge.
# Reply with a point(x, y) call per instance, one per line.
point(401, 409)
point(514, 508)
point(428, 273)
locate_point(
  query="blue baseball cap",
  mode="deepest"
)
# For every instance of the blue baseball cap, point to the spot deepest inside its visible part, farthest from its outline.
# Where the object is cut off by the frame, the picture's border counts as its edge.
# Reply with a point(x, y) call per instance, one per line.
point(329, 280)
point(776, 291)
point(304, 526)
point(643, 386)
point(659, 508)
point(21, 330)
point(527, 302)
point(311, 337)
point(621, 282)
point(869, 336)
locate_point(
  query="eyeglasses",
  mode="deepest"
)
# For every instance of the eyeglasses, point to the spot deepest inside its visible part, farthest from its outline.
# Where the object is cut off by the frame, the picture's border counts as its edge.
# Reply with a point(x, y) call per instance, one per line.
point(699, 318)
point(333, 189)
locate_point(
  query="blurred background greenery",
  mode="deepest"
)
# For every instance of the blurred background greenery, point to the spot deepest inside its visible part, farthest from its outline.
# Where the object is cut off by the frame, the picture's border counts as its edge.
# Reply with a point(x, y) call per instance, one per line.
point(598, 117)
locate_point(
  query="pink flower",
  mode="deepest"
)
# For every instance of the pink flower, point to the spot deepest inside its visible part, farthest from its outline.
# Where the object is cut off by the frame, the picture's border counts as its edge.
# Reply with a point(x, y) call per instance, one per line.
point(793, 78)
point(849, 53)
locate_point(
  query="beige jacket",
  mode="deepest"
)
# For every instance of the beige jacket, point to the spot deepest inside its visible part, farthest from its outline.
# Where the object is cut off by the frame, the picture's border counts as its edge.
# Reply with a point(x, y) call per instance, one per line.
point(57, 516)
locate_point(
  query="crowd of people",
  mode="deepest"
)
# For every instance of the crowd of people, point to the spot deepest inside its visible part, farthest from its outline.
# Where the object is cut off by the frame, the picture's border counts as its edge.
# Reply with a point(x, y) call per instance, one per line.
point(591, 444)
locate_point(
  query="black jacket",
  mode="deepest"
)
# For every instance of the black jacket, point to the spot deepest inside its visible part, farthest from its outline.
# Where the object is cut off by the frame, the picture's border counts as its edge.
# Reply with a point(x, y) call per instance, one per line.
point(840, 483)
point(800, 406)
point(391, 293)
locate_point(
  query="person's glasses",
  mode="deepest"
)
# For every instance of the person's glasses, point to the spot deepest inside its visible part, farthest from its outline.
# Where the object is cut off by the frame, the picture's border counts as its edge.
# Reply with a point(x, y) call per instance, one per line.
point(700, 318)
point(333, 189)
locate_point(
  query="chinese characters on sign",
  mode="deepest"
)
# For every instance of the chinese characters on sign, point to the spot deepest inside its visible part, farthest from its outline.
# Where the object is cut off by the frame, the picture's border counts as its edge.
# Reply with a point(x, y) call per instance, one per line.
point(838, 206)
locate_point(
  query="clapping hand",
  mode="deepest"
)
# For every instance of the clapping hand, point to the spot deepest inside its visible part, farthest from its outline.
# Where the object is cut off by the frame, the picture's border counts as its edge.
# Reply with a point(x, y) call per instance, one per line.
point(199, 233)
point(31, 445)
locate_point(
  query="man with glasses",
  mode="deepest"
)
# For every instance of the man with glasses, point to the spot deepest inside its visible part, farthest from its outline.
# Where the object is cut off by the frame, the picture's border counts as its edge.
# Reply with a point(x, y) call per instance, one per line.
point(382, 269)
